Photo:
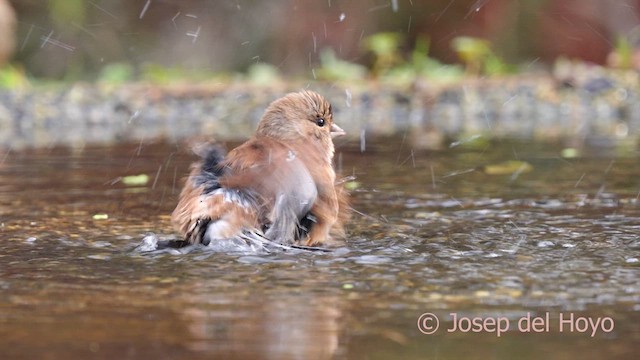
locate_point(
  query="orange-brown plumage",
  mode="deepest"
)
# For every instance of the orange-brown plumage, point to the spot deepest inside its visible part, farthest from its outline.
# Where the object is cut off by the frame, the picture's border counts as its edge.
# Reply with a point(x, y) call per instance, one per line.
point(281, 182)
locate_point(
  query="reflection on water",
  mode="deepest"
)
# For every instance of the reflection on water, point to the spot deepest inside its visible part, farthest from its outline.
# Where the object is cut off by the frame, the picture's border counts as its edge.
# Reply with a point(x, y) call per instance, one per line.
point(434, 232)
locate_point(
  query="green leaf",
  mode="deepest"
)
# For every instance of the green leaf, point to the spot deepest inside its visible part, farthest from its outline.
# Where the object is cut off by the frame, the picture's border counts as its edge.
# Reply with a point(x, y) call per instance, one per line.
point(352, 185)
point(337, 69)
point(136, 180)
point(508, 168)
point(12, 78)
point(383, 44)
point(100, 216)
point(65, 12)
point(116, 73)
point(471, 49)
point(263, 74)
point(570, 153)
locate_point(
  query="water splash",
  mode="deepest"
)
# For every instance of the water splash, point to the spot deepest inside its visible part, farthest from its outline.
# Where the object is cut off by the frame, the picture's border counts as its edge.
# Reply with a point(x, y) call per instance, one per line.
point(348, 99)
point(103, 10)
point(476, 7)
point(26, 38)
point(394, 5)
point(315, 43)
point(48, 40)
point(173, 20)
point(194, 35)
point(444, 11)
point(144, 9)
point(464, 141)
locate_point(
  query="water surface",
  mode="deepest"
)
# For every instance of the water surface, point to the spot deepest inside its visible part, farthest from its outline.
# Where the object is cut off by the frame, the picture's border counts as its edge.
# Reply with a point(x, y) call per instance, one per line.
point(438, 232)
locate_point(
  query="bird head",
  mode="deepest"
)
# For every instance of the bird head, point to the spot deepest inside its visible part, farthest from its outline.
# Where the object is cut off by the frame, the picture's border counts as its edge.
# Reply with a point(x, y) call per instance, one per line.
point(301, 116)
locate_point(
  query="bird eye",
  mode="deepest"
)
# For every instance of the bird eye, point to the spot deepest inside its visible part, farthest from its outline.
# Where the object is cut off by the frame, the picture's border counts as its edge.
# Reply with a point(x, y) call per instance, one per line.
point(320, 122)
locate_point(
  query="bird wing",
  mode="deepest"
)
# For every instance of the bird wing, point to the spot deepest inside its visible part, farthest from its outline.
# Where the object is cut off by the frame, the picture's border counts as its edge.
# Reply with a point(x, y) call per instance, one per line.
point(206, 210)
point(285, 186)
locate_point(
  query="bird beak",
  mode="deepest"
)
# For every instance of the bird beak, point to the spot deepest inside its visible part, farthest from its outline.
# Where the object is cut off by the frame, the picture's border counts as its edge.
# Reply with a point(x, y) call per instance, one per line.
point(336, 130)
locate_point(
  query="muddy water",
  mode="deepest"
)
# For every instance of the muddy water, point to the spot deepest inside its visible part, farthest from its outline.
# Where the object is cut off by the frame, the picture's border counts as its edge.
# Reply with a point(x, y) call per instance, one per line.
point(458, 233)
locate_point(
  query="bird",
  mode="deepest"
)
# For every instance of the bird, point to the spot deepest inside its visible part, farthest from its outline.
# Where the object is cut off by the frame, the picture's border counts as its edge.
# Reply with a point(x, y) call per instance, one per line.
point(279, 185)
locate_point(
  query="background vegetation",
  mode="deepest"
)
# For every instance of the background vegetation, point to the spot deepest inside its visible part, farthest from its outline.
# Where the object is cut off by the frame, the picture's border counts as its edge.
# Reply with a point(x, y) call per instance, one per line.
point(116, 40)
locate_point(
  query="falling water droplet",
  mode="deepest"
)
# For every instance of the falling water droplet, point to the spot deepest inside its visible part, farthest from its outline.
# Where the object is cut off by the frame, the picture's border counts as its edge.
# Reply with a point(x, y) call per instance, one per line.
point(194, 35)
point(145, 8)
point(348, 100)
point(315, 43)
point(394, 5)
point(173, 20)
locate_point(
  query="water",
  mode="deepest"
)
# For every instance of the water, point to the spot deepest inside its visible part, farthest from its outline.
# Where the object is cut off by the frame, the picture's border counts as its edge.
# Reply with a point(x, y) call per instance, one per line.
point(438, 232)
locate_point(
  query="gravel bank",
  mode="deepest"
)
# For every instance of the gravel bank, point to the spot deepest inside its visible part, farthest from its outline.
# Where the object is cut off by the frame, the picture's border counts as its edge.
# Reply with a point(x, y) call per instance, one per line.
point(599, 106)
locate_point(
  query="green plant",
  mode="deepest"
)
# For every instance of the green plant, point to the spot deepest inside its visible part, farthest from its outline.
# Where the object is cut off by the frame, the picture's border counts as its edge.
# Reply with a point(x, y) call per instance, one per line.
point(385, 48)
point(64, 12)
point(116, 73)
point(622, 56)
point(335, 69)
point(478, 56)
point(263, 74)
point(429, 67)
point(12, 77)
point(391, 66)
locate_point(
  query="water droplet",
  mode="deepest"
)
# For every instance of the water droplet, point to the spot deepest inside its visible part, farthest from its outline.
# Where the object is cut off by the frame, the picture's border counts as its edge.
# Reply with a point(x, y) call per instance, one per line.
point(145, 8)
point(348, 100)
point(394, 5)
point(545, 243)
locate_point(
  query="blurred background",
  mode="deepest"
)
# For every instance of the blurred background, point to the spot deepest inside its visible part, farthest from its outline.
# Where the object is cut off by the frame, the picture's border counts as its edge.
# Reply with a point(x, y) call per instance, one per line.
point(86, 40)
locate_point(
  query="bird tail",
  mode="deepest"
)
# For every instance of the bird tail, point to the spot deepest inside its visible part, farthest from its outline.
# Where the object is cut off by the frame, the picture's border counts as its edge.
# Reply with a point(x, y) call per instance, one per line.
point(190, 215)
point(210, 168)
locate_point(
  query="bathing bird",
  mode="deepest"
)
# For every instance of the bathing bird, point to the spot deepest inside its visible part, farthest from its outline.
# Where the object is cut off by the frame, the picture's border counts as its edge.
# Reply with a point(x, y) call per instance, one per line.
point(280, 185)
